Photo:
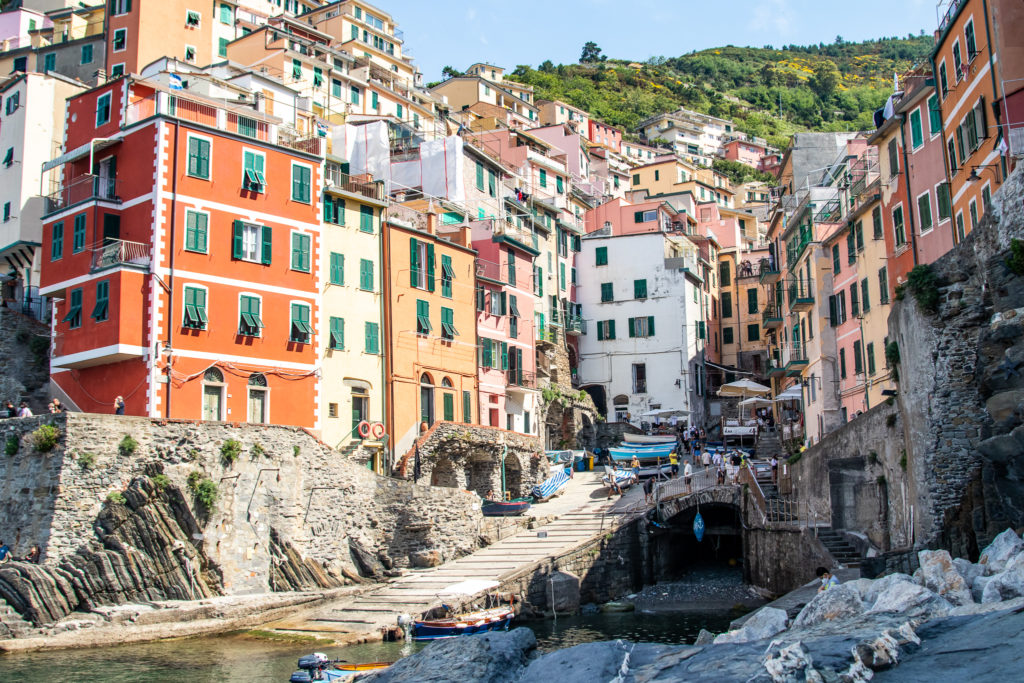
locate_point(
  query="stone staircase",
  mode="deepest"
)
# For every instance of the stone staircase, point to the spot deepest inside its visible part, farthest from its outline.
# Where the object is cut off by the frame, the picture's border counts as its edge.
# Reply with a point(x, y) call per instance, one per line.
point(843, 553)
point(11, 623)
point(769, 444)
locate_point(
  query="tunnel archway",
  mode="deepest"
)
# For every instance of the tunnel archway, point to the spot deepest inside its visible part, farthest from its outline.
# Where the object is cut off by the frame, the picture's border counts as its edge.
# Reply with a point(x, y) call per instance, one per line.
point(678, 553)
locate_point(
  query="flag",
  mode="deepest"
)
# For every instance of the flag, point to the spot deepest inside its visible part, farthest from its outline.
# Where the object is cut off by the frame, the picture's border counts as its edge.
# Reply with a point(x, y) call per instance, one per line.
point(889, 110)
point(417, 471)
point(895, 82)
point(174, 81)
point(321, 129)
point(1002, 147)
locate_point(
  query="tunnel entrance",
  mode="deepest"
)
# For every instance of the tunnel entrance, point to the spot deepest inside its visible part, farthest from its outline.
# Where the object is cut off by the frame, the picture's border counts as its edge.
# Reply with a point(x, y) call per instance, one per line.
point(677, 553)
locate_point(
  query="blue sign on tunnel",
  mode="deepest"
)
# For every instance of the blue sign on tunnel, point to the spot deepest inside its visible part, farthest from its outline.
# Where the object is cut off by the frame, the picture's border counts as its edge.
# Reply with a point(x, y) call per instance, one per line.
point(698, 527)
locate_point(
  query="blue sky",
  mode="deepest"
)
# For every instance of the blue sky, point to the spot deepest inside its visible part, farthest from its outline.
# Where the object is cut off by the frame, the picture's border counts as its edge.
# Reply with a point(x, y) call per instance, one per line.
point(530, 31)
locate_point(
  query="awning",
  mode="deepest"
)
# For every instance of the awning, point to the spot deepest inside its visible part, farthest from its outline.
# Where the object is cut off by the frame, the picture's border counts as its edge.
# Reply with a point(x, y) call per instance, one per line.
point(79, 152)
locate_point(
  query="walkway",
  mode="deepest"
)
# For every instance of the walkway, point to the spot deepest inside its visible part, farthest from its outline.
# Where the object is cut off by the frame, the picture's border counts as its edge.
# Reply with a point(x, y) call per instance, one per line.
point(580, 514)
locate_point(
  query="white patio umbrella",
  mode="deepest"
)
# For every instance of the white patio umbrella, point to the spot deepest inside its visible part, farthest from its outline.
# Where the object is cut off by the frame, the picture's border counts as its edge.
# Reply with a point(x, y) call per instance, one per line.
point(756, 401)
point(793, 393)
point(743, 387)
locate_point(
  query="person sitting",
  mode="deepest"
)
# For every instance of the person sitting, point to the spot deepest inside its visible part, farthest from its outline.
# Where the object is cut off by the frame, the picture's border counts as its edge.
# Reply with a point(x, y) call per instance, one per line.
point(828, 580)
point(24, 410)
point(5, 552)
point(33, 555)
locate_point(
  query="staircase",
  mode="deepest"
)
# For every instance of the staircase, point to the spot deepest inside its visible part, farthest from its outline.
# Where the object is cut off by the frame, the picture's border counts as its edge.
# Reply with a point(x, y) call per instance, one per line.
point(843, 553)
point(11, 623)
point(777, 509)
point(769, 444)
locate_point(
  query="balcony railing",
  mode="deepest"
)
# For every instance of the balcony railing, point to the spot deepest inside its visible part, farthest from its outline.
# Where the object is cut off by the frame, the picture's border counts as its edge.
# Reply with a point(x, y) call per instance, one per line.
point(82, 189)
point(801, 294)
point(771, 316)
point(575, 324)
point(113, 253)
point(521, 378)
point(371, 189)
point(830, 212)
point(759, 269)
point(497, 272)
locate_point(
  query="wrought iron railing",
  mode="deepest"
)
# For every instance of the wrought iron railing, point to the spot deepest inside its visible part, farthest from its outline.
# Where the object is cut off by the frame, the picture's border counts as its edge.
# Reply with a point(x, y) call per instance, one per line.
point(82, 189)
point(120, 253)
point(370, 189)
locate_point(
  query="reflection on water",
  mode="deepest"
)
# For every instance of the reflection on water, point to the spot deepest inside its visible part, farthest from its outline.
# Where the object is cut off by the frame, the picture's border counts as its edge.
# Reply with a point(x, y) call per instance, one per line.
point(239, 658)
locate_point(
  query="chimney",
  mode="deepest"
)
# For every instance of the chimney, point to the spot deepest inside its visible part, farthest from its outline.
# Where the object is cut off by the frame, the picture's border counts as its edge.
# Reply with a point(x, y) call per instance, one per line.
point(432, 223)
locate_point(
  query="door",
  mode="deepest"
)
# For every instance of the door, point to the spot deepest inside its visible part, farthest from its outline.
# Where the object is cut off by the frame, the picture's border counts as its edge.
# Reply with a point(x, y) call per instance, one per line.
point(106, 178)
point(427, 404)
point(360, 409)
point(111, 227)
point(213, 402)
point(257, 405)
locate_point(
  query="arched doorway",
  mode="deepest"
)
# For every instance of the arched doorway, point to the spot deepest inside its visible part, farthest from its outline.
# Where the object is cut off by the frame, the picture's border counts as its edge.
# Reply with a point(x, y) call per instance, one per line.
point(426, 399)
point(444, 474)
point(259, 403)
point(599, 397)
point(213, 395)
point(447, 400)
point(513, 476)
point(621, 404)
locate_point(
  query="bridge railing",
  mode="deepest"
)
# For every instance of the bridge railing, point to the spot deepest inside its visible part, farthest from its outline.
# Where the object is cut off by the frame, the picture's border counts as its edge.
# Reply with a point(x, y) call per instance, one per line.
point(700, 479)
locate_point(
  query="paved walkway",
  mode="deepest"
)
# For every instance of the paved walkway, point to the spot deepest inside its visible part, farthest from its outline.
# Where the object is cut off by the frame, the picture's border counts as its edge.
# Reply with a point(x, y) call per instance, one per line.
point(580, 514)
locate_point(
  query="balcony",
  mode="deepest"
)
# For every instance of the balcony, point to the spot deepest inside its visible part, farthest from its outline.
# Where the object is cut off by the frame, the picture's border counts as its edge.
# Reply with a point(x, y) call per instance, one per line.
point(500, 274)
point(747, 269)
point(796, 360)
point(801, 296)
point(520, 379)
point(770, 273)
point(771, 317)
point(684, 264)
point(575, 325)
point(830, 212)
point(118, 253)
point(362, 186)
point(546, 334)
point(82, 189)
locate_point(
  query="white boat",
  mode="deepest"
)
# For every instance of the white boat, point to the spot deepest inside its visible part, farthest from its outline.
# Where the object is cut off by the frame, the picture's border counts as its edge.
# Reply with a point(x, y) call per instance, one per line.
point(649, 438)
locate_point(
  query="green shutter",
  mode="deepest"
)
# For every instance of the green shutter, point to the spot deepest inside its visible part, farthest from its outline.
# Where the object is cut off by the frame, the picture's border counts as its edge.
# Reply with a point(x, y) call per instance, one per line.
point(632, 327)
point(639, 289)
point(366, 275)
point(366, 218)
point(414, 262)
point(467, 407)
point(601, 254)
point(833, 311)
point(600, 331)
point(237, 251)
point(430, 267)
point(504, 356)
point(479, 176)
point(449, 406)
point(337, 333)
point(372, 338)
point(650, 326)
point(337, 268)
point(638, 216)
point(267, 245)
point(611, 329)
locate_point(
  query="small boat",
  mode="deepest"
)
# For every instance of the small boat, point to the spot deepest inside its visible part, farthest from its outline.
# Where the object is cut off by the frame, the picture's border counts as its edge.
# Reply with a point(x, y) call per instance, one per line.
point(627, 454)
point(496, 619)
point(506, 508)
point(623, 478)
point(655, 470)
point(318, 667)
point(636, 439)
point(551, 487)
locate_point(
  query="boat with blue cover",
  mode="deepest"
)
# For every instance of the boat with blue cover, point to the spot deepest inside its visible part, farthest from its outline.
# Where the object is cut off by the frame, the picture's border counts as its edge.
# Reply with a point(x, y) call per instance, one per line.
point(621, 477)
point(551, 487)
point(640, 439)
point(627, 454)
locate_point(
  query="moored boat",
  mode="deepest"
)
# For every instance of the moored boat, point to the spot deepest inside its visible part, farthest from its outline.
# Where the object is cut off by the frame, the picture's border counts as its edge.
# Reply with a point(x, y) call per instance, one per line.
point(622, 478)
point(634, 439)
point(317, 667)
point(505, 508)
point(496, 619)
point(551, 487)
point(620, 454)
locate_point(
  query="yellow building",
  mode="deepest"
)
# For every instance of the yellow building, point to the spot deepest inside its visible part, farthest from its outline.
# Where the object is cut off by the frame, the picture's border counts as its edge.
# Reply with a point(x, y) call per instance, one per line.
point(741, 301)
point(351, 272)
point(672, 176)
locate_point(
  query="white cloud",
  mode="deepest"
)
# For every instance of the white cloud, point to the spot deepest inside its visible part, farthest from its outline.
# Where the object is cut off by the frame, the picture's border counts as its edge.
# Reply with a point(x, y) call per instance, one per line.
point(773, 16)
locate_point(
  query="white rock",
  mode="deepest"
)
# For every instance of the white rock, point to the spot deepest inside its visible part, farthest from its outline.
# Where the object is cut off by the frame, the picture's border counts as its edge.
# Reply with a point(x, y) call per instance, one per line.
point(879, 586)
point(975, 608)
point(997, 553)
point(968, 570)
point(762, 624)
point(940, 576)
point(906, 597)
point(835, 603)
point(1004, 586)
point(978, 586)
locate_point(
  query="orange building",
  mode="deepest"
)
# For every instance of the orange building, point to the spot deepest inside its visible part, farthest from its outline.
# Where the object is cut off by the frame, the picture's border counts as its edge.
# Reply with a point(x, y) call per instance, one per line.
point(429, 324)
point(181, 250)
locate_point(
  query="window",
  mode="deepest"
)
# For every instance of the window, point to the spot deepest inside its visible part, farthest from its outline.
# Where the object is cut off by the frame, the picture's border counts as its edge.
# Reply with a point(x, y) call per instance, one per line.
point(78, 237)
point(467, 407)
point(101, 310)
point(934, 116)
point(899, 230)
point(942, 199)
point(894, 160)
point(366, 275)
point(74, 314)
point(835, 259)
point(253, 165)
point(448, 276)
point(561, 276)
point(194, 317)
point(960, 232)
point(957, 61)
point(226, 14)
point(301, 331)
point(639, 289)
point(753, 332)
point(943, 80)
point(251, 242)
point(366, 216)
point(301, 176)
point(337, 333)
point(972, 47)
point(883, 286)
point(639, 378)
point(559, 185)
point(374, 101)
point(854, 300)
point(250, 323)
point(601, 255)
point(334, 210)
point(641, 327)
point(50, 62)
point(724, 274)
point(192, 19)
point(423, 325)
point(7, 211)
point(196, 231)
point(645, 216)
point(120, 42)
point(355, 95)
point(870, 352)
point(448, 330)
point(973, 209)
point(727, 337)
point(103, 109)
point(636, 178)
point(858, 360)
point(876, 222)
point(372, 341)
point(605, 330)
point(924, 211)
point(842, 363)
point(421, 265)
point(726, 304)
point(986, 197)
point(337, 268)
point(752, 301)
point(300, 251)
point(916, 129)
point(198, 157)
point(543, 178)
point(190, 53)
point(57, 242)
point(607, 292)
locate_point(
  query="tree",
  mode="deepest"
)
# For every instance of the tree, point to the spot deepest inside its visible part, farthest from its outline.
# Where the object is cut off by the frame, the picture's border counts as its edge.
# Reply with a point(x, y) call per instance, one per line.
point(449, 72)
point(546, 66)
point(825, 79)
point(591, 53)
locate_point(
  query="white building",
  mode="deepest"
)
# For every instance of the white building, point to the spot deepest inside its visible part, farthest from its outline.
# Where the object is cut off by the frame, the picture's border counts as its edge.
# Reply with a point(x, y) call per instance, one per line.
point(644, 344)
point(30, 135)
point(695, 137)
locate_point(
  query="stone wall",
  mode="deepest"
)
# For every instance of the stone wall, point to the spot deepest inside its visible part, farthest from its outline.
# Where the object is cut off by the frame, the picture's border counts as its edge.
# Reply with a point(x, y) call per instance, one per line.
point(24, 359)
point(781, 560)
point(286, 493)
point(472, 458)
point(855, 477)
point(961, 386)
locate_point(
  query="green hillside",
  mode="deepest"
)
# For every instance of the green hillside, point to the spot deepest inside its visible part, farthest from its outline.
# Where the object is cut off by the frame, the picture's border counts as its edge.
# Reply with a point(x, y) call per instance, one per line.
point(819, 87)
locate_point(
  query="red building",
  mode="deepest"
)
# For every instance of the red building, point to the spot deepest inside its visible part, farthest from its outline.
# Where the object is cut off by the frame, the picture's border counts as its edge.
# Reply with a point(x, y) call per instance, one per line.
point(181, 248)
point(604, 135)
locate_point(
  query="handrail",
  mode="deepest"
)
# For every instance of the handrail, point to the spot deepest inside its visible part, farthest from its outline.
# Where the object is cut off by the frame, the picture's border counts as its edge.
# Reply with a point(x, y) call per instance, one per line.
point(747, 477)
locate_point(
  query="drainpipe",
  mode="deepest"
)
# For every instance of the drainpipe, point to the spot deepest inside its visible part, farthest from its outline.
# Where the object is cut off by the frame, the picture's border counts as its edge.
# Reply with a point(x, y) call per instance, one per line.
point(170, 275)
point(910, 198)
point(388, 390)
point(385, 287)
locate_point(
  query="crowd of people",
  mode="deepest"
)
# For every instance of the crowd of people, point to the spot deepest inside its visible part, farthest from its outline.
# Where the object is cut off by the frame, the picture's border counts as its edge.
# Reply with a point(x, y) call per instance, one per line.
point(53, 407)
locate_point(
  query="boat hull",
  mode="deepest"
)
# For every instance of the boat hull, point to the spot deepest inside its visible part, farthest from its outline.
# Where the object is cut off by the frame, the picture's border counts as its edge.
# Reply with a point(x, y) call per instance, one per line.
point(634, 439)
point(499, 508)
point(628, 453)
point(463, 625)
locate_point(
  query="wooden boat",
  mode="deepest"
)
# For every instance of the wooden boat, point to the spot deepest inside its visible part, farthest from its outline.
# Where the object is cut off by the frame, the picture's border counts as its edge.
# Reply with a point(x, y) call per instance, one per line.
point(551, 487)
point(626, 454)
point(317, 667)
point(634, 439)
point(655, 470)
point(623, 478)
point(496, 619)
point(506, 508)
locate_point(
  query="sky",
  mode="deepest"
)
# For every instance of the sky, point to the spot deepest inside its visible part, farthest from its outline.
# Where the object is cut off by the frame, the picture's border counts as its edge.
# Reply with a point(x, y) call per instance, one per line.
point(531, 31)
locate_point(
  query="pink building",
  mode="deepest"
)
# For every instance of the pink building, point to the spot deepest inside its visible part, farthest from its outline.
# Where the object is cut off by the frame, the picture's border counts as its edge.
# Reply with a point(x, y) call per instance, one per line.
point(506, 305)
point(620, 217)
point(571, 144)
point(604, 135)
point(749, 152)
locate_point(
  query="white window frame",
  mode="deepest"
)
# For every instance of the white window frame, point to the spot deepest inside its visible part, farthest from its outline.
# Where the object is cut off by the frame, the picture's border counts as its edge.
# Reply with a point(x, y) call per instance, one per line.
point(967, 55)
point(952, 51)
point(936, 219)
point(291, 243)
point(117, 70)
point(920, 117)
point(110, 112)
point(207, 138)
point(199, 19)
point(258, 153)
point(266, 403)
point(258, 243)
point(958, 225)
point(974, 204)
point(195, 53)
point(223, 386)
point(308, 304)
point(119, 8)
point(421, 258)
point(114, 41)
point(932, 206)
point(238, 317)
point(198, 212)
point(932, 134)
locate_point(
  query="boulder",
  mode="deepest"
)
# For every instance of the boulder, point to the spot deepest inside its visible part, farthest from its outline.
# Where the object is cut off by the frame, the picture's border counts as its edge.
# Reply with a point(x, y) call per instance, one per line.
point(835, 603)
point(426, 558)
point(879, 586)
point(488, 658)
point(968, 570)
point(908, 598)
point(978, 587)
point(997, 553)
point(1004, 586)
point(762, 624)
point(1003, 404)
point(584, 663)
point(705, 637)
point(562, 592)
point(940, 576)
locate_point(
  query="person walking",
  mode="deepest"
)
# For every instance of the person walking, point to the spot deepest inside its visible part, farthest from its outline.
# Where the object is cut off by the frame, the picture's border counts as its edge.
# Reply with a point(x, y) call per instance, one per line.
point(688, 475)
point(673, 460)
point(119, 405)
point(775, 470)
point(705, 459)
point(635, 464)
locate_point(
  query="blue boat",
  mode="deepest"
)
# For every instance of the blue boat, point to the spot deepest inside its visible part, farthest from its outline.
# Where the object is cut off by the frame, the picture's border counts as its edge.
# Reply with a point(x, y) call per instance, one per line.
point(551, 486)
point(497, 619)
point(505, 508)
point(317, 667)
point(648, 454)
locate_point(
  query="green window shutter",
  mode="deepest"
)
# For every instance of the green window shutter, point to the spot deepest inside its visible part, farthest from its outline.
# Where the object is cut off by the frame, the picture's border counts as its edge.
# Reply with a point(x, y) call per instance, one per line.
point(632, 327)
point(57, 242)
point(752, 300)
point(543, 178)
point(430, 267)
point(467, 407)
point(504, 356)
point(486, 353)
point(638, 216)
point(650, 326)
point(100, 310)
point(479, 176)
point(601, 254)
point(640, 289)
point(237, 250)
point(727, 335)
point(492, 184)
point(833, 311)
point(366, 218)
point(449, 406)
point(366, 275)
point(337, 333)
point(504, 303)
point(854, 300)
point(559, 185)
point(611, 329)
point(372, 338)
point(300, 251)
point(726, 304)
point(870, 349)
point(414, 262)
point(190, 230)
point(267, 243)
point(607, 292)
point(835, 259)
point(864, 303)
point(916, 129)
point(561, 276)
point(600, 331)
point(329, 210)
point(540, 281)
point(858, 360)
point(337, 268)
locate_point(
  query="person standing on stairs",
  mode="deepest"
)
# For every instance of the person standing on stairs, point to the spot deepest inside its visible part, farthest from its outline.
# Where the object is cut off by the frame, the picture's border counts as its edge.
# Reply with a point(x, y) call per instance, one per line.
point(775, 470)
